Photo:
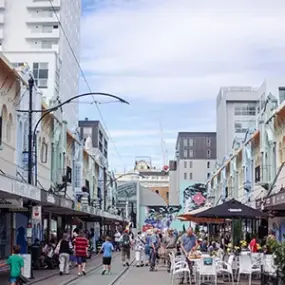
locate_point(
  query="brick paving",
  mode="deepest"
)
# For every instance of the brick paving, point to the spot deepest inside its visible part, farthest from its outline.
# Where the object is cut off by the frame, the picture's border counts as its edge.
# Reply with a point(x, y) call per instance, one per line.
point(51, 277)
point(96, 275)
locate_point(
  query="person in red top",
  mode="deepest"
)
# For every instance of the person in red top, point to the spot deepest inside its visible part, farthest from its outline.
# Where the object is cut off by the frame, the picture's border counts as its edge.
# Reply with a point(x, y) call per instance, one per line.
point(253, 245)
point(81, 248)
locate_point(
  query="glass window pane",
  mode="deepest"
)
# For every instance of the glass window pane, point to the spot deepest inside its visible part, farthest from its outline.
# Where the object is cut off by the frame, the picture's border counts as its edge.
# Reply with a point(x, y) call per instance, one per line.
point(35, 65)
point(43, 73)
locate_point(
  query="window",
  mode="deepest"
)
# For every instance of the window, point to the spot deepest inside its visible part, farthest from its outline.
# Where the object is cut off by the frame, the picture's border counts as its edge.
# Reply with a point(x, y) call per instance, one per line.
point(190, 142)
point(77, 178)
point(40, 72)
point(242, 126)
point(185, 153)
point(208, 175)
point(9, 129)
point(47, 29)
point(281, 94)
point(208, 153)
point(44, 151)
point(185, 164)
point(47, 44)
point(185, 175)
point(190, 164)
point(245, 110)
point(87, 132)
point(208, 164)
point(209, 142)
point(191, 153)
point(185, 142)
point(190, 176)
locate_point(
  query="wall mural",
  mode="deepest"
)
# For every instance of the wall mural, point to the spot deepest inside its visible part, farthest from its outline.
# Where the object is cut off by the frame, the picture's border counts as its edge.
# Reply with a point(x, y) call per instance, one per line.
point(194, 196)
point(160, 217)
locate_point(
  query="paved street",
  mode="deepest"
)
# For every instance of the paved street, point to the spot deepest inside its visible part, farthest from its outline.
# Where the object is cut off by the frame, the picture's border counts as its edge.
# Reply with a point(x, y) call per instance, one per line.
point(51, 277)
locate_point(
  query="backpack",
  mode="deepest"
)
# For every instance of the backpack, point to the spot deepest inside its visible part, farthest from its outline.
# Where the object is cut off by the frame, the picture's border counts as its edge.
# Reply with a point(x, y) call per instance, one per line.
point(126, 240)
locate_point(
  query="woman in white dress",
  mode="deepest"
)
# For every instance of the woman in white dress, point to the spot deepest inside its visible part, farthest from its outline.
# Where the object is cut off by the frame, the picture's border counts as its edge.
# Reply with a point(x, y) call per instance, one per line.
point(139, 249)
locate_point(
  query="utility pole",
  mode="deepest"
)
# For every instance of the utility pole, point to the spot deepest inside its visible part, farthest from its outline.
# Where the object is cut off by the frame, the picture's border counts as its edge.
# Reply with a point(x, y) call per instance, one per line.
point(30, 137)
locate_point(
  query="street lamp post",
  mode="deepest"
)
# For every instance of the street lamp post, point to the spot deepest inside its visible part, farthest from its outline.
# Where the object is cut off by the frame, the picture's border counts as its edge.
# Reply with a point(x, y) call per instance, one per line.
point(32, 133)
point(30, 138)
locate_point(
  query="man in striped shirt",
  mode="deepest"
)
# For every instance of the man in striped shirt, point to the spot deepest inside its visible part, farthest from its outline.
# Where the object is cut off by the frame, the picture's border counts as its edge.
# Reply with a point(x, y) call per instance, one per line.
point(81, 250)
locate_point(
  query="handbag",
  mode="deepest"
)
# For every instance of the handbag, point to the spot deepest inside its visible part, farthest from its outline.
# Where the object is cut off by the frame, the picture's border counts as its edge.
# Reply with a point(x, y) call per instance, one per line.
point(23, 279)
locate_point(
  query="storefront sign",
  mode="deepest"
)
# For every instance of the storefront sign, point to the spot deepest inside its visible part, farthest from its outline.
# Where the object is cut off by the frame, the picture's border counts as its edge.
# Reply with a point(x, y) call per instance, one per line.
point(26, 190)
point(18, 188)
point(37, 213)
point(50, 198)
point(27, 265)
point(11, 203)
point(66, 203)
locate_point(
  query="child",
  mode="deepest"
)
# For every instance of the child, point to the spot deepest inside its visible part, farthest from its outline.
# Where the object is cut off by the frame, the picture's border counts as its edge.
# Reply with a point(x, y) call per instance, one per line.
point(107, 248)
point(16, 263)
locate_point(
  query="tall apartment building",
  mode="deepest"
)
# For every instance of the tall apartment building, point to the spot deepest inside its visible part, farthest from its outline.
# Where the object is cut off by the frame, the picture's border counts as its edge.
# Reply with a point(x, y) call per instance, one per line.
point(195, 160)
point(236, 110)
point(31, 31)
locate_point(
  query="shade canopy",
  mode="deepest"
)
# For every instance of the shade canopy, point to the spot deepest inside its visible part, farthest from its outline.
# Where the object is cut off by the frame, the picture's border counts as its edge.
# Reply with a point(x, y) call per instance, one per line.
point(190, 218)
point(230, 210)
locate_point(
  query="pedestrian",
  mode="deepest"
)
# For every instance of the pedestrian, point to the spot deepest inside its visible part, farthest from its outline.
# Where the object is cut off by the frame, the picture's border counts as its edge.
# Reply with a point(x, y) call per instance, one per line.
point(154, 244)
point(126, 248)
point(117, 240)
point(188, 244)
point(65, 249)
point(139, 249)
point(16, 263)
point(81, 249)
point(107, 248)
point(170, 246)
point(147, 247)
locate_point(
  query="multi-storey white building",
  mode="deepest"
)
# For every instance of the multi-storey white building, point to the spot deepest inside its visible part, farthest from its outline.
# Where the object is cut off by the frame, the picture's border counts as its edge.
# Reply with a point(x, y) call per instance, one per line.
point(35, 32)
point(236, 112)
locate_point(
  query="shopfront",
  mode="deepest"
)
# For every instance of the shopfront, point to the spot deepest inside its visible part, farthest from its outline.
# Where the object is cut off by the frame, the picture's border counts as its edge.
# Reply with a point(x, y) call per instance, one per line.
point(16, 203)
point(275, 205)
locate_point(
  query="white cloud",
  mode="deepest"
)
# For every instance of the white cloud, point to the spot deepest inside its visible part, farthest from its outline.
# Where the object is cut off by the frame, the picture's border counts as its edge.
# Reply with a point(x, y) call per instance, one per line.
point(170, 51)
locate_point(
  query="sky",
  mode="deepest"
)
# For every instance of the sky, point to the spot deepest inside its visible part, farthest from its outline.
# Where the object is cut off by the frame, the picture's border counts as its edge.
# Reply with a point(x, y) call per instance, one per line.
point(168, 59)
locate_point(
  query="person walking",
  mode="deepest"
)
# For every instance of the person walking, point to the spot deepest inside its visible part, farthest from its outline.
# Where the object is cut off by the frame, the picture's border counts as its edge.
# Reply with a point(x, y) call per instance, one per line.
point(126, 248)
point(117, 238)
point(16, 263)
point(107, 248)
point(188, 244)
point(139, 250)
point(170, 246)
point(65, 250)
point(81, 247)
point(154, 244)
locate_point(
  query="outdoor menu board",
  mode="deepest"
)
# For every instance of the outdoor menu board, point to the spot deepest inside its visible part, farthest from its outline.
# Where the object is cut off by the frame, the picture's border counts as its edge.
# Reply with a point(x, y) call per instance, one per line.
point(27, 265)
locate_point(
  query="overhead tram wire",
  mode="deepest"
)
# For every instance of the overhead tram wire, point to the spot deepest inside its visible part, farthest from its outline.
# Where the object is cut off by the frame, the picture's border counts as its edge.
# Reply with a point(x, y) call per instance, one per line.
point(86, 82)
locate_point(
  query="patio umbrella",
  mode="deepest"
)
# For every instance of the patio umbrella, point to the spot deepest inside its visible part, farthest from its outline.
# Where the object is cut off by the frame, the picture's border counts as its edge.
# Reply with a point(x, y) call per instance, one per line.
point(230, 210)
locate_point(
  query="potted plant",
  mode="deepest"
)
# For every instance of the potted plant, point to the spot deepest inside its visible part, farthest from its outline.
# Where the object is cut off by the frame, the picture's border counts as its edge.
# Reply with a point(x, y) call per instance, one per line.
point(279, 260)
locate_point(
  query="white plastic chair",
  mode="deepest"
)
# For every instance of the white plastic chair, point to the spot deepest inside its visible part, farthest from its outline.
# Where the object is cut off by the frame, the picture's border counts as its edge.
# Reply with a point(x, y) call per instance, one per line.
point(207, 270)
point(246, 267)
point(226, 267)
point(174, 260)
point(268, 264)
point(180, 267)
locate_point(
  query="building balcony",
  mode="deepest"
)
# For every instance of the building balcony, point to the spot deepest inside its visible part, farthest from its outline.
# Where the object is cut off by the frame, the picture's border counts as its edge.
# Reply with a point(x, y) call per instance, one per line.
point(53, 35)
point(1, 19)
point(32, 4)
point(42, 20)
point(2, 4)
